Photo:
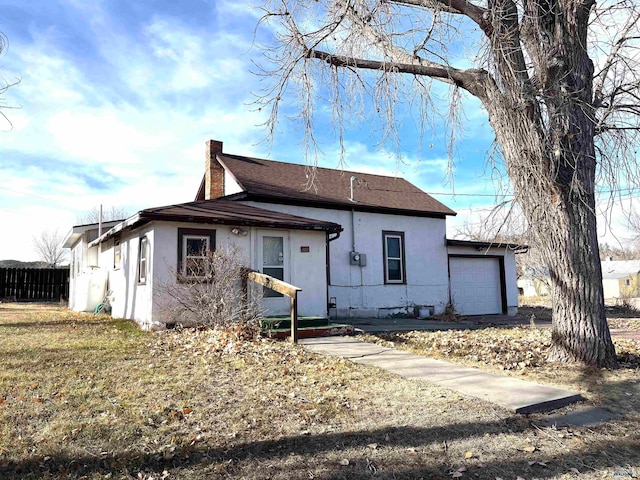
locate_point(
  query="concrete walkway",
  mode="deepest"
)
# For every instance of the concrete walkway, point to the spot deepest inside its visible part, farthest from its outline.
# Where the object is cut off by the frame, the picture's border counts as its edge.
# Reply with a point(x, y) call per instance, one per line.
point(513, 394)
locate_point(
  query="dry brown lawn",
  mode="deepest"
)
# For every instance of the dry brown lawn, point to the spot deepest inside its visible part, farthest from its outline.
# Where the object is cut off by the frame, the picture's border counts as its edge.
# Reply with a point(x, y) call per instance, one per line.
point(91, 397)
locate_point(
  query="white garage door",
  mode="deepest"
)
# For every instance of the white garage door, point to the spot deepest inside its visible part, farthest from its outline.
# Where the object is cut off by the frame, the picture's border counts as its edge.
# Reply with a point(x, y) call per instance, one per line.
point(475, 285)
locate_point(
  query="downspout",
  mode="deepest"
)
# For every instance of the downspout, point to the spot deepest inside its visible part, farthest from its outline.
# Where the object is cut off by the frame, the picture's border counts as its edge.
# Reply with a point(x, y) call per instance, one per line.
point(351, 181)
point(353, 231)
point(328, 263)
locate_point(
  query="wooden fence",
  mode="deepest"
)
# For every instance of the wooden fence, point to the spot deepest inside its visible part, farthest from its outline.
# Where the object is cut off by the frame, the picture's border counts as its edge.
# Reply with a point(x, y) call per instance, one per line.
point(31, 284)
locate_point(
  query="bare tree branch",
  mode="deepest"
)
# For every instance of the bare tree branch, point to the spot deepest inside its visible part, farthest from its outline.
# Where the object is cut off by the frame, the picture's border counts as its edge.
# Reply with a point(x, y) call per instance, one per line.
point(613, 57)
point(48, 246)
point(5, 85)
point(560, 127)
point(459, 7)
point(468, 79)
point(108, 214)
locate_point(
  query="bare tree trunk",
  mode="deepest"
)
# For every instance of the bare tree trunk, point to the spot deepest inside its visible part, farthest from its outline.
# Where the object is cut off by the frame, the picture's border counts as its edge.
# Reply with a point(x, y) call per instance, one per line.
point(545, 101)
point(551, 161)
point(580, 330)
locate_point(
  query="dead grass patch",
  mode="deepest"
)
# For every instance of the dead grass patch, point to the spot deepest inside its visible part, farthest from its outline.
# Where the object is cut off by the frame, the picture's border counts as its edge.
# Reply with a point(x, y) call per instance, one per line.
point(93, 398)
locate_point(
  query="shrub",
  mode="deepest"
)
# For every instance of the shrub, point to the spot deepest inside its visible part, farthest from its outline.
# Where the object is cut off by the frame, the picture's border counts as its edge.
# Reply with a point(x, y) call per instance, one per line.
point(211, 292)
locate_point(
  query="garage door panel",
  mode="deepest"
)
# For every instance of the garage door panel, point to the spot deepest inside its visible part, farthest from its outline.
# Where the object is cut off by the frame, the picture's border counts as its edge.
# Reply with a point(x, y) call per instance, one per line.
point(475, 285)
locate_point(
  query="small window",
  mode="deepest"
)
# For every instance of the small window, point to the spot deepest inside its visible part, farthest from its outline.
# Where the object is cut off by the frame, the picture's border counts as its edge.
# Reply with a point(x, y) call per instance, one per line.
point(393, 251)
point(194, 255)
point(78, 255)
point(143, 260)
point(627, 282)
point(117, 253)
point(193, 247)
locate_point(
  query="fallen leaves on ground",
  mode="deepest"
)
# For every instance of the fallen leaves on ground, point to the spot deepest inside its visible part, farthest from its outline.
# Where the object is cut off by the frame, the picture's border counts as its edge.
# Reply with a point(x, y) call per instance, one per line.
point(194, 403)
point(518, 348)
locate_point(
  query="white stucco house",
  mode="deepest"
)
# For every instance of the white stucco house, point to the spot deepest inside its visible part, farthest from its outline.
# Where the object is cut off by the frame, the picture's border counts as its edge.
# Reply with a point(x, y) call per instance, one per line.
point(358, 245)
point(621, 279)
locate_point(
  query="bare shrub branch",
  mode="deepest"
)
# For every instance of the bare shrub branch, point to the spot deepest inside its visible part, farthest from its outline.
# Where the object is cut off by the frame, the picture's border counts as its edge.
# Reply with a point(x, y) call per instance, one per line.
point(210, 292)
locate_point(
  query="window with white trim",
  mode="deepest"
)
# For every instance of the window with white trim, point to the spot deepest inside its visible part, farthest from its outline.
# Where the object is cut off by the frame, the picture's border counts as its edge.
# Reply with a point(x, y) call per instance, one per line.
point(194, 246)
point(143, 260)
point(393, 251)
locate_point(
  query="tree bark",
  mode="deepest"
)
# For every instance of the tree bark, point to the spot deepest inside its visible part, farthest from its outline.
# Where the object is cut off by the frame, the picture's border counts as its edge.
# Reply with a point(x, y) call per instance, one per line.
point(537, 87)
point(547, 140)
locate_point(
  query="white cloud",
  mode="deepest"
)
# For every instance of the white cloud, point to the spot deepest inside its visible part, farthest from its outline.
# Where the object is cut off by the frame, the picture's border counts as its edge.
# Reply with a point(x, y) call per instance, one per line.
point(141, 131)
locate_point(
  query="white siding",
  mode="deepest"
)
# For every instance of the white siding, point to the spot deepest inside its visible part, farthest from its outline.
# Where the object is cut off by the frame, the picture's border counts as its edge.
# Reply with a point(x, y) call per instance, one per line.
point(361, 291)
point(230, 184)
point(129, 299)
point(87, 282)
point(143, 303)
point(611, 287)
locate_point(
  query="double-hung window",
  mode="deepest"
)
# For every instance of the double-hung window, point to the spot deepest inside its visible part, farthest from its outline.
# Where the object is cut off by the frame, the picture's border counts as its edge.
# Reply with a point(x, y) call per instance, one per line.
point(394, 262)
point(143, 260)
point(194, 246)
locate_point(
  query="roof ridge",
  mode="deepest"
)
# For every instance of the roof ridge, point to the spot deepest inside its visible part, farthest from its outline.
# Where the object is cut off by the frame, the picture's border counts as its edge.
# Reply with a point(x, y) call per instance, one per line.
point(341, 171)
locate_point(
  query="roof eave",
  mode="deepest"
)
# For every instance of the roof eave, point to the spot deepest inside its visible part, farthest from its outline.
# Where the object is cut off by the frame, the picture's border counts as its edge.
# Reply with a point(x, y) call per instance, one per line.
point(239, 222)
point(515, 247)
point(130, 222)
point(258, 197)
point(77, 231)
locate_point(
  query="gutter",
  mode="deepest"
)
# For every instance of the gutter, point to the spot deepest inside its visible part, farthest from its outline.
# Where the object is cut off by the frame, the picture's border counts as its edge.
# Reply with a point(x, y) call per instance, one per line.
point(129, 222)
point(144, 217)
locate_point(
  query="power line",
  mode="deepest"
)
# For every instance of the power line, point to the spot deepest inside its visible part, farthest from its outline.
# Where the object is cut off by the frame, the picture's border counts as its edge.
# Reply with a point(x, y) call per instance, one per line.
point(31, 194)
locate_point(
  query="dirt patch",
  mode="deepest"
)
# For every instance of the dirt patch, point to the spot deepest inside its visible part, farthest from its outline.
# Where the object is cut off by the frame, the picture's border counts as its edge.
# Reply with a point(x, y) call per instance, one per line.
point(89, 397)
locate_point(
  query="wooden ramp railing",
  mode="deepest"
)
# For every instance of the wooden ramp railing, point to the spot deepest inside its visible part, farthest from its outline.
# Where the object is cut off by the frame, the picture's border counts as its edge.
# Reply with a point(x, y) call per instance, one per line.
point(284, 288)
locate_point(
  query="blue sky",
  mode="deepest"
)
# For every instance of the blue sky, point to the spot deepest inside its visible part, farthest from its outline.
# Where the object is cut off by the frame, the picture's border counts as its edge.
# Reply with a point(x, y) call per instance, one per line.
point(116, 100)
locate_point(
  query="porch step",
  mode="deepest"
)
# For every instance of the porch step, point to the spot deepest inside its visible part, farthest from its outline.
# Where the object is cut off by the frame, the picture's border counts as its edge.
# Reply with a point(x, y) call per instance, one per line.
point(328, 330)
point(276, 323)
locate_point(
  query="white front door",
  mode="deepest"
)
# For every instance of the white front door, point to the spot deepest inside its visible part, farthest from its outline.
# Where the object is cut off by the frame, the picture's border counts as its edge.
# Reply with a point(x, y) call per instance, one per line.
point(273, 260)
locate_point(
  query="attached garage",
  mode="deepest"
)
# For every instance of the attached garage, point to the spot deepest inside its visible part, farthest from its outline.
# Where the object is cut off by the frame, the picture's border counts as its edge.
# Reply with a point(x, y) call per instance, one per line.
point(482, 277)
point(477, 285)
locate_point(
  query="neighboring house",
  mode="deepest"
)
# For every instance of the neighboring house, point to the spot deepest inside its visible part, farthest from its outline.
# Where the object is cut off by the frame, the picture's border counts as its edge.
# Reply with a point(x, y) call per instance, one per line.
point(620, 278)
point(358, 245)
point(534, 282)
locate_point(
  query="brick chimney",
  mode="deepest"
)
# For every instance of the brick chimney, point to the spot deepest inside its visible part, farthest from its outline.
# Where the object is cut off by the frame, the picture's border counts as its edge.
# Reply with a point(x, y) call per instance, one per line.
point(213, 171)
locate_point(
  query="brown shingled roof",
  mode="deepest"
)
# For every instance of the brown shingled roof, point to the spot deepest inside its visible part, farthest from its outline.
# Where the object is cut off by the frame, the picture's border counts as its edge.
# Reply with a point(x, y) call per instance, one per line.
point(234, 213)
point(281, 182)
point(221, 212)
